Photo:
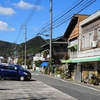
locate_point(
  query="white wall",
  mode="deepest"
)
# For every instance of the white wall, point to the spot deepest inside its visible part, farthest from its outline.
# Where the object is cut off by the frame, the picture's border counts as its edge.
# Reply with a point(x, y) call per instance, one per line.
point(89, 53)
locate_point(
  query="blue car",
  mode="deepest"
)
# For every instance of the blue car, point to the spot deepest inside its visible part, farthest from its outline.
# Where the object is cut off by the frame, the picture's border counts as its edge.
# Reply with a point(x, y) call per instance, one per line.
point(14, 71)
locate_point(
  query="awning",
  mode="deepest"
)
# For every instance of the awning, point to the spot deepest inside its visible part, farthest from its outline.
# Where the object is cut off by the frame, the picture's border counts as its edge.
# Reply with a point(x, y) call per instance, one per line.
point(47, 50)
point(66, 61)
point(73, 46)
point(87, 59)
point(69, 47)
point(44, 64)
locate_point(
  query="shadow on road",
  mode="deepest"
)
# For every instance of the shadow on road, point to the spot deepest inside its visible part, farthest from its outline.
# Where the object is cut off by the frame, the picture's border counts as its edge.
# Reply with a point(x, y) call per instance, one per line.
point(5, 89)
point(30, 98)
point(18, 80)
point(31, 80)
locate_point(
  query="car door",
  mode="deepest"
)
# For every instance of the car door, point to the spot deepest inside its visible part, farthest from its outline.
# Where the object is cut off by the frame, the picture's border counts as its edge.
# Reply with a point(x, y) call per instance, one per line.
point(13, 73)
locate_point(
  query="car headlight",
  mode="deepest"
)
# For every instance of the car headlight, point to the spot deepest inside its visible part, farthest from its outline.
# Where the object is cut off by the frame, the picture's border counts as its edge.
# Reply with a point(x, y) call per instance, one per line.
point(25, 73)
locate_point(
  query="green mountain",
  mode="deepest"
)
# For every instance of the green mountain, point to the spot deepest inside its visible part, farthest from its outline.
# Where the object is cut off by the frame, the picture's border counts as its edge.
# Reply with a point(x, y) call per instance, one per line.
point(32, 46)
point(5, 48)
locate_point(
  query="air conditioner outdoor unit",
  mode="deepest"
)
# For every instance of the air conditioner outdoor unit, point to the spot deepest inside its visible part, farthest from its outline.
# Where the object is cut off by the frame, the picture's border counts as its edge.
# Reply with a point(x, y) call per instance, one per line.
point(93, 43)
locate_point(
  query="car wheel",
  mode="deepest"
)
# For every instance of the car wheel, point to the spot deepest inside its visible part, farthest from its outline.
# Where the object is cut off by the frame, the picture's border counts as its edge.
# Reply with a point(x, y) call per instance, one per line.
point(21, 78)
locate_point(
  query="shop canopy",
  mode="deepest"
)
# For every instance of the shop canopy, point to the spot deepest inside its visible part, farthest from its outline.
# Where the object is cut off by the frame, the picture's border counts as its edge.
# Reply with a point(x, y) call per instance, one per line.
point(44, 64)
point(66, 61)
point(87, 59)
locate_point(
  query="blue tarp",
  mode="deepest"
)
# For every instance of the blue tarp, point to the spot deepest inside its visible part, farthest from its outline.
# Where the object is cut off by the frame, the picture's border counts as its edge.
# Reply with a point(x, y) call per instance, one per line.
point(44, 64)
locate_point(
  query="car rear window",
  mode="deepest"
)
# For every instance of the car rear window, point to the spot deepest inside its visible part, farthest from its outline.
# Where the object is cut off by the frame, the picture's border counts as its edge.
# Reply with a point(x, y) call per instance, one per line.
point(4, 67)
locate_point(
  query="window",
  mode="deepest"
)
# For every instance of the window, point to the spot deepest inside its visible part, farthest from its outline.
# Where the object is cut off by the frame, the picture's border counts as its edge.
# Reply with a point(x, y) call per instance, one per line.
point(11, 68)
point(83, 44)
point(98, 33)
point(4, 67)
point(86, 40)
point(90, 38)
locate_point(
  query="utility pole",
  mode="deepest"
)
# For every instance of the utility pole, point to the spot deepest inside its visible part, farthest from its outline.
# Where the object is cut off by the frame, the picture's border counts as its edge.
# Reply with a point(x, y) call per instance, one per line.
point(51, 32)
point(15, 53)
point(24, 26)
point(22, 54)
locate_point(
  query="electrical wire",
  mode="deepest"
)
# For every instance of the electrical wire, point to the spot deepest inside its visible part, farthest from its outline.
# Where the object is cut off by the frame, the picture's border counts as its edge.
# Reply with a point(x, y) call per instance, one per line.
point(46, 26)
point(66, 11)
point(29, 17)
point(70, 16)
point(18, 35)
point(32, 12)
point(76, 9)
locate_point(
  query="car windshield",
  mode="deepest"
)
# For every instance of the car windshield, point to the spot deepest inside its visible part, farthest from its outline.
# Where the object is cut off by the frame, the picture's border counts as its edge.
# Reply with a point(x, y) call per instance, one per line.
point(22, 68)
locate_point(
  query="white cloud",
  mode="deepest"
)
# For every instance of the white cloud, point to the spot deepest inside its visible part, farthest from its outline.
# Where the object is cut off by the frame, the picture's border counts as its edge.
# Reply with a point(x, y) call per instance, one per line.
point(6, 11)
point(25, 5)
point(4, 27)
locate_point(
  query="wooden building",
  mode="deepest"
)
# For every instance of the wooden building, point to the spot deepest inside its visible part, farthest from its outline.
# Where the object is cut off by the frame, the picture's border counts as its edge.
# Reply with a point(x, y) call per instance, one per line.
point(59, 50)
point(72, 35)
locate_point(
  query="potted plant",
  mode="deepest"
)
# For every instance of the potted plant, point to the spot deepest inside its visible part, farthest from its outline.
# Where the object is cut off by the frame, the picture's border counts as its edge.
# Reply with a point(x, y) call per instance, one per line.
point(95, 80)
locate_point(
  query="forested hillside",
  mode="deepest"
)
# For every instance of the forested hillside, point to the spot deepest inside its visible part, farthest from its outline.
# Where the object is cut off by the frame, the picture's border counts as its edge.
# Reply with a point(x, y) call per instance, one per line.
point(32, 46)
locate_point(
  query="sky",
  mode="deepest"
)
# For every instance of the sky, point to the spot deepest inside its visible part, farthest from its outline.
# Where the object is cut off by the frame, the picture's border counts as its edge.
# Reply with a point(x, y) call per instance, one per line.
point(22, 20)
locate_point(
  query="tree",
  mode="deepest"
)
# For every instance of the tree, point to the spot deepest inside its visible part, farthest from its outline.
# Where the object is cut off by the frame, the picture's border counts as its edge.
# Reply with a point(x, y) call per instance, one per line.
point(37, 63)
point(19, 61)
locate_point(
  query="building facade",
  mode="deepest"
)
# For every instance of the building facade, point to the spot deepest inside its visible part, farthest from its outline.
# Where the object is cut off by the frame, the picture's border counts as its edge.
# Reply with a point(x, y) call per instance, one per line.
point(89, 45)
point(59, 50)
point(72, 35)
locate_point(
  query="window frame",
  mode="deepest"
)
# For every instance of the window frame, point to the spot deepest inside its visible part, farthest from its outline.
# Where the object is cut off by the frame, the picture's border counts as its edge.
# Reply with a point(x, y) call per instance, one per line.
point(88, 35)
point(98, 33)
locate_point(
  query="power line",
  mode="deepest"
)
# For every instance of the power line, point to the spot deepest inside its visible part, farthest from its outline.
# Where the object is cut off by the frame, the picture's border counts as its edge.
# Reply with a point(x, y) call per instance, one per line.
point(29, 17)
point(59, 18)
point(62, 19)
point(70, 16)
point(32, 12)
point(18, 35)
point(43, 30)
point(25, 24)
point(70, 8)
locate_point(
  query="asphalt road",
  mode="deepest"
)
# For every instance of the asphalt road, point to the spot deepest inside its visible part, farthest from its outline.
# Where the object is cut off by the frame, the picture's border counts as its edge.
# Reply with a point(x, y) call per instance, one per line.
point(30, 90)
point(76, 90)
